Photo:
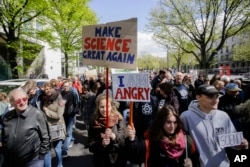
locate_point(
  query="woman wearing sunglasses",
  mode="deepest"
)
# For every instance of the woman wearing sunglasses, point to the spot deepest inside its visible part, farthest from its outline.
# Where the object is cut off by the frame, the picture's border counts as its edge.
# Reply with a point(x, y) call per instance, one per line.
point(25, 137)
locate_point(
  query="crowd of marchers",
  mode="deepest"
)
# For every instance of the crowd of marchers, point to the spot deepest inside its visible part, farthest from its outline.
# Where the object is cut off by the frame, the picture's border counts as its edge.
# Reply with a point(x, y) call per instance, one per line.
point(179, 127)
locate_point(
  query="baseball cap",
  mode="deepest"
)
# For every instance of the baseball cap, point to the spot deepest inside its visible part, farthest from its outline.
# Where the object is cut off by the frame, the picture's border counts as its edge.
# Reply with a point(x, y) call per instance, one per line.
point(232, 87)
point(207, 90)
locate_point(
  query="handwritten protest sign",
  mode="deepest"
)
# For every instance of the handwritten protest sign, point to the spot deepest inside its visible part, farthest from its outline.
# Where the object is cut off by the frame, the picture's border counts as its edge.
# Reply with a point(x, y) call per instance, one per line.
point(231, 139)
point(111, 45)
point(133, 87)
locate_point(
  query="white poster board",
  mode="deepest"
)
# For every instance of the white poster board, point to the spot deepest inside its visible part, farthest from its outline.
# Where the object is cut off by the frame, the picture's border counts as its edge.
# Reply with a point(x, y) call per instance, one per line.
point(112, 44)
point(231, 139)
point(133, 87)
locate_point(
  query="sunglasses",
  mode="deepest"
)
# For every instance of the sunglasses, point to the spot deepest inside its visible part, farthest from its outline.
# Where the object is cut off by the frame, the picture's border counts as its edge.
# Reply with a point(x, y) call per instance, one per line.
point(18, 101)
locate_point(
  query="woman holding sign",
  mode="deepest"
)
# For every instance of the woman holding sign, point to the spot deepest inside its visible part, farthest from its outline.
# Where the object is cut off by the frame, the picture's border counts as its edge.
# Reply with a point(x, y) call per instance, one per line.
point(107, 135)
point(165, 144)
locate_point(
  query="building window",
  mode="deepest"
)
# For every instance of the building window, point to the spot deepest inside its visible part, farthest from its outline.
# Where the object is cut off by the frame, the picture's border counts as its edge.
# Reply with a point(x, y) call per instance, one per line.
point(233, 46)
point(243, 64)
point(227, 57)
point(222, 58)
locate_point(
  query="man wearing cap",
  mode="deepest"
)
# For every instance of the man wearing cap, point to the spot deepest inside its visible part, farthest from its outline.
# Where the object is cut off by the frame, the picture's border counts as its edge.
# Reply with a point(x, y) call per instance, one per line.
point(229, 100)
point(205, 122)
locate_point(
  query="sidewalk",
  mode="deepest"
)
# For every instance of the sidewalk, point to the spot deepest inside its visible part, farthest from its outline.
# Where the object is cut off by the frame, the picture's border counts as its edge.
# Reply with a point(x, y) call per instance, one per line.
point(78, 155)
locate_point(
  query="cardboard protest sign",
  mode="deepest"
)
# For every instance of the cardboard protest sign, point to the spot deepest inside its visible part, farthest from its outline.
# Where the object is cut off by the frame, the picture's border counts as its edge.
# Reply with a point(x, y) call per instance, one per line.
point(111, 45)
point(231, 139)
point(133, 87)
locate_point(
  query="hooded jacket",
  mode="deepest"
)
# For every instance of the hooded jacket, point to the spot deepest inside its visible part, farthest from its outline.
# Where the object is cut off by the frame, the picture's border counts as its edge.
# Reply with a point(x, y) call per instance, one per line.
point(205, 128)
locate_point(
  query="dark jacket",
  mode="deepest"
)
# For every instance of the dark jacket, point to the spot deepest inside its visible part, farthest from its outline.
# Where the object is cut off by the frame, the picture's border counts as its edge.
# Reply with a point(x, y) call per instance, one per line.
point(24, 136)
point(88, 106)
point(113, 155)
point(172, 99)
point(36, 99)
point(198, 82)
point(156, 80)
point(227, 103)
point(144, 114)
point(182, 93)
point(72, 104)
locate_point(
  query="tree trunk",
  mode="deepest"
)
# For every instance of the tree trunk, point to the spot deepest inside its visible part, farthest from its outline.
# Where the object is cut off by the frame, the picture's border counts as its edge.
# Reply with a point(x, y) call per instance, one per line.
point(12, 61)
point(66, 65)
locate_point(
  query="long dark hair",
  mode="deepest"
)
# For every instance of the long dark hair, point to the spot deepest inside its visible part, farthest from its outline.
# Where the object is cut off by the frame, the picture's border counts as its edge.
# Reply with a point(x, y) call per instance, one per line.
point(157, 131)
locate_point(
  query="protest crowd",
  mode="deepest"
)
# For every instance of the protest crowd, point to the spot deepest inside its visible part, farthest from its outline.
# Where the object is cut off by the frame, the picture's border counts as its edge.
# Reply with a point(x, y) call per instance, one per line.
point(186, 122)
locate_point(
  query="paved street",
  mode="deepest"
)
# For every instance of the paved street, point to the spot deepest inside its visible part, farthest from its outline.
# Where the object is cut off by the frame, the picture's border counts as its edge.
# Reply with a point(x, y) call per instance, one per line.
point(79, 156)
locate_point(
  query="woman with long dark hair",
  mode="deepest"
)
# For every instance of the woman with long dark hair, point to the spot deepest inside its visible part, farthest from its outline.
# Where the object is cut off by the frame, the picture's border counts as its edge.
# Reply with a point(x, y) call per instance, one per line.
point(165, 143)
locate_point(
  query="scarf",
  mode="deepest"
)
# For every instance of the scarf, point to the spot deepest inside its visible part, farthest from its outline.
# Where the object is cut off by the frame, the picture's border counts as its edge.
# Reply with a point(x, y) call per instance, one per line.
point(47, 100)
point(174, 150)
point(101, 122)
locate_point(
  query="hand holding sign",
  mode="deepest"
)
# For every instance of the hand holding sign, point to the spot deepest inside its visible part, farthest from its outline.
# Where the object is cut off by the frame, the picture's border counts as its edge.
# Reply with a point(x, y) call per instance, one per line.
point(231, 139)
point(244, 144)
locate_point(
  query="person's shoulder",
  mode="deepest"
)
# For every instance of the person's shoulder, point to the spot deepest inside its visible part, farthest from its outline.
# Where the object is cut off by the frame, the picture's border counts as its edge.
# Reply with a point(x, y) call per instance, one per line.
point(221, 114)
point(91, 93)
point(155, 79)
point(186, 113)
point(8, 114)
point(31, 111)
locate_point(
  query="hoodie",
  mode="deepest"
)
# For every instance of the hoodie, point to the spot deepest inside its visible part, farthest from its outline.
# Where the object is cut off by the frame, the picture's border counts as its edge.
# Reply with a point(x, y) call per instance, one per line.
point(205, 128)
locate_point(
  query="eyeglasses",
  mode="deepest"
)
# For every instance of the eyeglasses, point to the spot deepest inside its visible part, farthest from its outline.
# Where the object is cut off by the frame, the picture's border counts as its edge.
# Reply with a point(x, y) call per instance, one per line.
point(18, 101)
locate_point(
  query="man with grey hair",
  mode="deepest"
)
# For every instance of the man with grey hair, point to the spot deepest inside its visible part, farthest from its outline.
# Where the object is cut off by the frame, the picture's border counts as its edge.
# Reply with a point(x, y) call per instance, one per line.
point(226, 79)
point(182, 92)
point(25, 135)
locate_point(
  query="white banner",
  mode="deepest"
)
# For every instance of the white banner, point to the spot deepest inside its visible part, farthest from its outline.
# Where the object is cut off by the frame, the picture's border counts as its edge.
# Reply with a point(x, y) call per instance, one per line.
point(133, 87)
point(231, 139)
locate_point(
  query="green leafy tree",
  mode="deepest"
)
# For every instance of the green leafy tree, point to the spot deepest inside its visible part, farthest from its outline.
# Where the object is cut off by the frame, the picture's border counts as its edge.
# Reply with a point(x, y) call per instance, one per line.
point(180, 56)
point(205, 24)
point(241, 51)
point(163, 62)
point(147, 62)
point(14, 16)
point(65, 19)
